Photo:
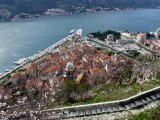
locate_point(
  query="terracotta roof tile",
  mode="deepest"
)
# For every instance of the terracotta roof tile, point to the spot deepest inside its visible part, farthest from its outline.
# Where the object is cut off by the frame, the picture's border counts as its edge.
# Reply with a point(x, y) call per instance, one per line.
point(95, 70)
point(53, 55)
point(104, 58)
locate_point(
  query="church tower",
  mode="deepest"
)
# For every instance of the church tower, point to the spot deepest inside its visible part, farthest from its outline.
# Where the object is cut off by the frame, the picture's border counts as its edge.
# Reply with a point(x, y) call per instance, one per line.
point(70, 70)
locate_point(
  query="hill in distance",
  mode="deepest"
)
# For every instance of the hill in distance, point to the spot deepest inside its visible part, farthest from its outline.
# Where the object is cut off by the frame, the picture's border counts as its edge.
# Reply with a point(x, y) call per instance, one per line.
point(11, 8)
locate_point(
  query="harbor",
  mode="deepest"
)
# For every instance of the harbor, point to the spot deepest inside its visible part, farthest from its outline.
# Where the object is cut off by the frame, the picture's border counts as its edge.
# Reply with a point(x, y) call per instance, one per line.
point(42, 53)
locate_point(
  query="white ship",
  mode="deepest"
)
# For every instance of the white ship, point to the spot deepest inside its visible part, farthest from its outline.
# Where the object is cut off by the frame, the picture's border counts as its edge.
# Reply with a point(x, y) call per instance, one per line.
point(79, 33)
point(13, 67)
point(21, 61)
point(6, 70)
point(72, 31)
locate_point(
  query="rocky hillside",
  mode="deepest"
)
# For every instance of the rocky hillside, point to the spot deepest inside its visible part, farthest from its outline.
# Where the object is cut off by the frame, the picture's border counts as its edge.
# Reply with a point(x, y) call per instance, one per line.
point(10, 8)
point(34, 6)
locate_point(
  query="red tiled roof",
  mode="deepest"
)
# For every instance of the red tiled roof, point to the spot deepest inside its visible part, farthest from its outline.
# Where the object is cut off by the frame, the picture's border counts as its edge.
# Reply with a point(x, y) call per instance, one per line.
point(30, 83)
point(87, 67)
point(157, 41)
point(1, 89)
point(95, 70)
point(53, 55)
point(43, 85)
point(15, 75)
point(115, 63)
point(104, 58)
point(52, 68)
point(30, 66)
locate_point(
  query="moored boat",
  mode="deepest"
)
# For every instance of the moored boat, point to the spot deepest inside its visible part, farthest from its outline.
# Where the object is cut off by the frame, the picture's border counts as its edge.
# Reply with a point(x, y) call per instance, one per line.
point(21, 61)
point(72, 31)
point(6, 70)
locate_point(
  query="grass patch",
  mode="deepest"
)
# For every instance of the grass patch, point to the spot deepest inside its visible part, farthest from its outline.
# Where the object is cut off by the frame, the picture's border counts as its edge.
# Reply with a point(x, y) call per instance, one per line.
point(116, 92)
point(152, 114)
point(20, 70)
point(111, 92)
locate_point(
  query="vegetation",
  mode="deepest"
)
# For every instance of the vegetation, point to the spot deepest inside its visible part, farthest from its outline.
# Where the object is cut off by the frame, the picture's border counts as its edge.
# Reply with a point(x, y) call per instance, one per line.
point(150, 36)
point(152, 114)
point(147, 44)
point(112, 91)
point(103, 35)
point(41, 5)
point(20, 70)
point(10, 8)
point(103, 87)
point(133, 53)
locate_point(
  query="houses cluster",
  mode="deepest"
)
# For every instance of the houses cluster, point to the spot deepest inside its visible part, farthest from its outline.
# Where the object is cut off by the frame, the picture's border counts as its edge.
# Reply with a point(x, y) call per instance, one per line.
point(153, 44)
point(75, 63)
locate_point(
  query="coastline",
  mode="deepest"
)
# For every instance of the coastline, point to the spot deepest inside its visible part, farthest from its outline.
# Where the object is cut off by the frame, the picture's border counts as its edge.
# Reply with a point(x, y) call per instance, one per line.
point(52, 35)
point(64, 13)
point(42, 53)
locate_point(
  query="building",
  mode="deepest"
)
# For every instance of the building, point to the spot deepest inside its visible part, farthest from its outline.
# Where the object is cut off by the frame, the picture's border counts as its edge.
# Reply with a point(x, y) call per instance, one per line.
point(70, 70)
point(141, 37)
point(110, 37)
point(155, 45)
point(156, 42)
point(126, 36)
point(122, 41)
point(158, 32)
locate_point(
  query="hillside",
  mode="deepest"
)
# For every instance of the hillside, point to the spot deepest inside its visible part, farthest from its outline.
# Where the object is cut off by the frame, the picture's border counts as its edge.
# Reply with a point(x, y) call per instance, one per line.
point(10, 8)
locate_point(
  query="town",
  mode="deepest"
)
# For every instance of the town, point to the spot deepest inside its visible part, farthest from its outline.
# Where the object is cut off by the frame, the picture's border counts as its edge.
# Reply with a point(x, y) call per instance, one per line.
point(66, 72)
point(6, 15)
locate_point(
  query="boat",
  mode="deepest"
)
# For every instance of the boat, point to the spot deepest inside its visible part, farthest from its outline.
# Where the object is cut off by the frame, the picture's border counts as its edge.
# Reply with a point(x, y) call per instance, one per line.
point(79, 32)
point(21, 61)
point(72, 31)
point(6, 70)
point(13, 67)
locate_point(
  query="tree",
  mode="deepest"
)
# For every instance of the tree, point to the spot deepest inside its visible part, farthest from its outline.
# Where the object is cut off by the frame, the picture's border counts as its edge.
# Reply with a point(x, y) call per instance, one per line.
point(82, 88)
point(66, 91)
point(134, 53)
point(149, 36)
point(98, 79)
point(123, 73)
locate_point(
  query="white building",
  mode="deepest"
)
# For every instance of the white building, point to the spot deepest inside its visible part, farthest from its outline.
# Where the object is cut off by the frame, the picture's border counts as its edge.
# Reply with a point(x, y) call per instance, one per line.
point(122, 41)
point(158, 32)
point(141, 37)
point(110, 37)
point(126, 36)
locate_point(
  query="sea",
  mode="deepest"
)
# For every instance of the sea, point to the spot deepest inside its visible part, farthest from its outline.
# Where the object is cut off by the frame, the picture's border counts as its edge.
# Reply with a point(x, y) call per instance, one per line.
point(25, 37)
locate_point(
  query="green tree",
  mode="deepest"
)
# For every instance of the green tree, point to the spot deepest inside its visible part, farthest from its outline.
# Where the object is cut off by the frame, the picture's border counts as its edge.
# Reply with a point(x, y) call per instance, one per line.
point(82, 88)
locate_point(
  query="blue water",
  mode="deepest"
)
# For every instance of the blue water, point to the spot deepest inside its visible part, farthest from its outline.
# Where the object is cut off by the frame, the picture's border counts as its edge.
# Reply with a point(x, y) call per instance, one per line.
point(25, 37)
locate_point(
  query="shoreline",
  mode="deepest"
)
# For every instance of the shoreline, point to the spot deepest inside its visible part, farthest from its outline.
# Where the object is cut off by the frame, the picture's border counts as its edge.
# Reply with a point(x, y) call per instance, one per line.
point(37, 56)
point(29, 16)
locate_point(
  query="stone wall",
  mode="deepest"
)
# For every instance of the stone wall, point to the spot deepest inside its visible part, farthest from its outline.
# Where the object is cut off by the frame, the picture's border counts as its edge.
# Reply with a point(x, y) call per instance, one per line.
point(94, 109)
